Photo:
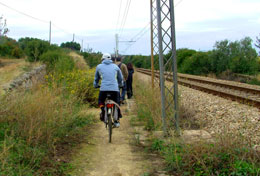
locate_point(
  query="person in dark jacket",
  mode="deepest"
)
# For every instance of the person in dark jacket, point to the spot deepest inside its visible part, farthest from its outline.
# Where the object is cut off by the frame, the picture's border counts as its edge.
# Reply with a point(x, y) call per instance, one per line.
point(129, 80)
point(124, 71)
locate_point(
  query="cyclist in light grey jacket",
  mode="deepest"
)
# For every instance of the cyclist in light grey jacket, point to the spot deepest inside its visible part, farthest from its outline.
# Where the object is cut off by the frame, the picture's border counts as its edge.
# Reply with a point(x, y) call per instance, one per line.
point(112, 79)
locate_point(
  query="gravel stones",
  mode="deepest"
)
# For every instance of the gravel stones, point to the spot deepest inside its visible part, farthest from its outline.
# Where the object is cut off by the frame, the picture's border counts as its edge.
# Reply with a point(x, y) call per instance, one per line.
point(219, 115)
point(26, 79)
point(222, 115)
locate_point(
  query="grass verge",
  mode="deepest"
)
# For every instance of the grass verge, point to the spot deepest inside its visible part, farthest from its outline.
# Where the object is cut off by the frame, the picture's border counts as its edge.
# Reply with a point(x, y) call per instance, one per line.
point(227, 154)
point(40, 126)
point(33, 125)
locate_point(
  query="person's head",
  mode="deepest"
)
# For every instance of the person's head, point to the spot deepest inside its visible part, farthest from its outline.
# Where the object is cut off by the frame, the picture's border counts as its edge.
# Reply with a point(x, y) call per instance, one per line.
point(129, 66)
point(118, 59)
point(113, 58)
point(106, 56)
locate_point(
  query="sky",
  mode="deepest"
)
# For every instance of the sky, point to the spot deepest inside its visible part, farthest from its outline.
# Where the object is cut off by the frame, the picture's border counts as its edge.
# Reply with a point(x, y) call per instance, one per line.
point(94, 23)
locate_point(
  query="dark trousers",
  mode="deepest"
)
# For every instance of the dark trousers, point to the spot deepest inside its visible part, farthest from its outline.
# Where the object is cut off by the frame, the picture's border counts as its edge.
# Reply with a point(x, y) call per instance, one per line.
point(115, 96)
point(129, 88)
point(124, 89)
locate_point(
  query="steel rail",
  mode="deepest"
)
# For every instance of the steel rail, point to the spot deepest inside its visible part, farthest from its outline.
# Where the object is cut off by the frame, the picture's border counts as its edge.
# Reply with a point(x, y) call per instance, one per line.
point(185, 80)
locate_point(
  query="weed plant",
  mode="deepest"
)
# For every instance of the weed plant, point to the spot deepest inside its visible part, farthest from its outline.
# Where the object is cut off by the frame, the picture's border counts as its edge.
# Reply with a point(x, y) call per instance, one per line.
point(35, 123)
point(148, 105)
point(254, 81)
point(76, 82)
point(32, 124)
point(149, 108)
point(228, 154)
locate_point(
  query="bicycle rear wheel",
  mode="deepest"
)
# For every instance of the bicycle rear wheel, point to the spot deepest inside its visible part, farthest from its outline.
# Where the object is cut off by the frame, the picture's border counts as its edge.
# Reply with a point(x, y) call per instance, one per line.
point(109, 128)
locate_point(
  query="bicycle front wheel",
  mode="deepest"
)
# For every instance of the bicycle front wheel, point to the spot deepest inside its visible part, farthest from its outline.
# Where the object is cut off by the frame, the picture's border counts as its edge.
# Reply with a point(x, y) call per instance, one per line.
point(109, 128)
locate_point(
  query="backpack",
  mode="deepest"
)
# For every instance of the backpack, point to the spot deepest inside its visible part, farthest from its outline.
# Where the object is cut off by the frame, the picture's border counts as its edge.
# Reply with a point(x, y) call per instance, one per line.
point(119, 65)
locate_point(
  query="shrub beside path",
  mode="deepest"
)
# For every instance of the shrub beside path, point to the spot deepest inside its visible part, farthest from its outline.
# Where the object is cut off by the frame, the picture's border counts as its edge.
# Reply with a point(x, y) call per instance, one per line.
point(123, 157)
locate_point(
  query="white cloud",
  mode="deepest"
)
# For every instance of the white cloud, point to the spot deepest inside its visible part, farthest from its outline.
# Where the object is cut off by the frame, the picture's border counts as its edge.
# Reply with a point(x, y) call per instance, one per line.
point(190, 11)
point(258, 21)
point(97, 19)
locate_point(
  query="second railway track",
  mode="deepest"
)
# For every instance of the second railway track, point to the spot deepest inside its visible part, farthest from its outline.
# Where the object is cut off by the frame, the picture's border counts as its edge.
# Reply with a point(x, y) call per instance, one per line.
point(240, 92)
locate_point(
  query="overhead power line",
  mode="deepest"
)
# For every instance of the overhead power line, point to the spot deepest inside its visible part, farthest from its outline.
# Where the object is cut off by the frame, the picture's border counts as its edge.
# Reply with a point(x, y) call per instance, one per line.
point(30, 16)
point(119, 13)
point(24, 13)
point(57, 27)
point(143, 31)
point(138, 37)
point(40, 20)
point(178, 3)
point(125, 17)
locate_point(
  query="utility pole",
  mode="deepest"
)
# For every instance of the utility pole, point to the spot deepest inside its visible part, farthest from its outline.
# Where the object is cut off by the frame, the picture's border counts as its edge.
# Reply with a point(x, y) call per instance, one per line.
point(82, 45)
point(164, 41)
point(50, 34)
point(152, 57)
point(117, 44)
point(116, 50)
point(73, 37)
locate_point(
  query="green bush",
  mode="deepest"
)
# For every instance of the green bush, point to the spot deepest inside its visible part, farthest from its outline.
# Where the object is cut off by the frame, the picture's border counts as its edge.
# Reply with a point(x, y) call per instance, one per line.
point(238, 56)
point(71, 45)
point(138, 61)
point(198, 64)
point(92, 59)
point(183, 54)
point(57, 60)
point(10, 48)
point(64, 64)
point(33, 48)
point(76, 82)
point(51, 57)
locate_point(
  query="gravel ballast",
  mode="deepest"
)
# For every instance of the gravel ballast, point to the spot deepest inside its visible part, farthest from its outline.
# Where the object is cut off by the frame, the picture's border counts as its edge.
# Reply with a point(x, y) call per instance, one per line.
point(219, 115)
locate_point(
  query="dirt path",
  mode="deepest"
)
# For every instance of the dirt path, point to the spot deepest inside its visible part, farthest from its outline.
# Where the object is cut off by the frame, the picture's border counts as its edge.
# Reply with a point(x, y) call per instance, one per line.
point(120, 158)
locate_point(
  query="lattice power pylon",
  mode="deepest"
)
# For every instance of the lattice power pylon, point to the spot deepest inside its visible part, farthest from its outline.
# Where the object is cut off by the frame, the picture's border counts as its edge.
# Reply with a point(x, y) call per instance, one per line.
point(163, 58)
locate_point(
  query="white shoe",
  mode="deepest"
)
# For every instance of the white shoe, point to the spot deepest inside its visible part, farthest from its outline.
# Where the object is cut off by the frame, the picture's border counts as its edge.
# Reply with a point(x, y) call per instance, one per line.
point(116, 124)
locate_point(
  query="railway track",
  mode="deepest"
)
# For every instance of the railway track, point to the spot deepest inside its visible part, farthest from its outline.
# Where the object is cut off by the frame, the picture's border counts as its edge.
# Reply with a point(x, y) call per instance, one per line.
point(240, 92)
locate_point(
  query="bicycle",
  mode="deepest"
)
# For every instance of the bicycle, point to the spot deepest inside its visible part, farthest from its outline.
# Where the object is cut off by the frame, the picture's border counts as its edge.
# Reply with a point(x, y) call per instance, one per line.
point(111, 110)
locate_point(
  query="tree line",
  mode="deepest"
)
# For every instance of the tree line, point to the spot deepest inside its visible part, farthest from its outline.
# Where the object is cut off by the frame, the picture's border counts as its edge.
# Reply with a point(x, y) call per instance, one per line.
point(233, 56)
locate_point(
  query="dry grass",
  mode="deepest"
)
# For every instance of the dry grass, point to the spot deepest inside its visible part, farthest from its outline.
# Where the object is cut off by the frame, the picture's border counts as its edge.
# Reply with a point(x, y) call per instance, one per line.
point(34, 113)
point(230, 153)
point(79, 61)
point(12, 68)
point(149, 105)
point(258, 77)
point(33, 124)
